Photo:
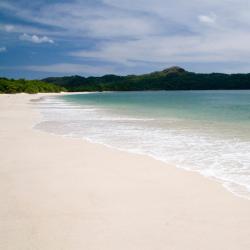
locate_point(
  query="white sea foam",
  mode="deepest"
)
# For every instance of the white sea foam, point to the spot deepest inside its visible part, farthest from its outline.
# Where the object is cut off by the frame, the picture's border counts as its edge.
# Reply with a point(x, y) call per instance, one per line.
point(225, 159)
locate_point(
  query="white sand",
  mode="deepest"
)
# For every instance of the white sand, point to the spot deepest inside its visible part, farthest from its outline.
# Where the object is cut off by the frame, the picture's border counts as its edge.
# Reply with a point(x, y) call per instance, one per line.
point(58, 193)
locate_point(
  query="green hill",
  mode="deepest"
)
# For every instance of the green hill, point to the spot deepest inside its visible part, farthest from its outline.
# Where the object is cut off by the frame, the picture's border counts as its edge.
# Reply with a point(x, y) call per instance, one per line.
point(174, 78)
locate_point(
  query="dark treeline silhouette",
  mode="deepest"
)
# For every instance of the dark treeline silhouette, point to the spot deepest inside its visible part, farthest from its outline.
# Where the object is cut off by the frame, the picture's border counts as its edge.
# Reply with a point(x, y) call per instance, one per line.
point(11, 86)
point(174, 78)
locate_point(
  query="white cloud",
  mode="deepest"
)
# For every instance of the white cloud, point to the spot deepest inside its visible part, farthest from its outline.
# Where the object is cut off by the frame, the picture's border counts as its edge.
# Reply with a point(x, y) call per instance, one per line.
point(176, 49)
point(65, 69)
point(121, 27)
point(2, 49)
point(24, 29)
point(35, 38)
point(9, 27)
point(70, 68)
point(82, 19)
point(209, 19)
point(149, 31)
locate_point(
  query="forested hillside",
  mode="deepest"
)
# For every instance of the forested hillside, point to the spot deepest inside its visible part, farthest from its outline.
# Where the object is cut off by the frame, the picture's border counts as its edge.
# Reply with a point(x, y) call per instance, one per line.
point(174, 78)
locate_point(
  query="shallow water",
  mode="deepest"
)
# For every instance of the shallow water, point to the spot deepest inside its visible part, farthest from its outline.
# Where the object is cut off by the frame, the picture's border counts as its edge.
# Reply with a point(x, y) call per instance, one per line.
point(204, 131)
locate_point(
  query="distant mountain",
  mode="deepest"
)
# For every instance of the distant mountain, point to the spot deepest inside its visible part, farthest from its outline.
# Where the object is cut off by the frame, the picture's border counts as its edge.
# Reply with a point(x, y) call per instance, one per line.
point(174, 78)
point(171, 70)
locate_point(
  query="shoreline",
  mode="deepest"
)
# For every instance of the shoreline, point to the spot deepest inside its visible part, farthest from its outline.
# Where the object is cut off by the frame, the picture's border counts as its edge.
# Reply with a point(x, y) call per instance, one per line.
point(227, 184)
point(73, 194)
point(210, 178)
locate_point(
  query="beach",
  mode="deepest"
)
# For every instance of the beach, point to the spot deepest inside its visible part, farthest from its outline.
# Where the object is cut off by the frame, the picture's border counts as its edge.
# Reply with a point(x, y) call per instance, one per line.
point(63, 193)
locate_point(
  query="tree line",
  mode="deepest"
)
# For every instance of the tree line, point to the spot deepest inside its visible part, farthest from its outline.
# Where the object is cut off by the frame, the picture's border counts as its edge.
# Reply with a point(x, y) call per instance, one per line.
point(12, 86)
point(174, 78)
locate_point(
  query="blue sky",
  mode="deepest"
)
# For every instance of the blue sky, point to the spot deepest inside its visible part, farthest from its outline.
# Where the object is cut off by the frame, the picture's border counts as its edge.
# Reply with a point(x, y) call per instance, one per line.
point(96, 37)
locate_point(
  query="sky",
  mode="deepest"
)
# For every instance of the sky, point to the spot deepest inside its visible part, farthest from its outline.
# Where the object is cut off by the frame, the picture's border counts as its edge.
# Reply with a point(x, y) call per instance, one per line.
point(95, 37)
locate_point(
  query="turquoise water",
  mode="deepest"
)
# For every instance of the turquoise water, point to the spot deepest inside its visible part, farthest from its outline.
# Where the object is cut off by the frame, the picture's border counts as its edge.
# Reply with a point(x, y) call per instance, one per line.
point(204, 131)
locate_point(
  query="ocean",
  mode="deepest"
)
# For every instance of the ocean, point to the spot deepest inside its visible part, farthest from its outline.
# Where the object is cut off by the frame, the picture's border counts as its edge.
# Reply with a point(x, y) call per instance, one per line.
point(203, 131)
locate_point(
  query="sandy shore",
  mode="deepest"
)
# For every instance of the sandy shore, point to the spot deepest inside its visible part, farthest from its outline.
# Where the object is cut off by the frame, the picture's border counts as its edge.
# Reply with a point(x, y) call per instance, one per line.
point(58, 193)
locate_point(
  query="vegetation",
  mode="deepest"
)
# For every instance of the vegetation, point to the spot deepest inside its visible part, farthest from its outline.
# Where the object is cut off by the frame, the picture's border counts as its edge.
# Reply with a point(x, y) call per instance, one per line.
point(12, 86)
point(174, 78)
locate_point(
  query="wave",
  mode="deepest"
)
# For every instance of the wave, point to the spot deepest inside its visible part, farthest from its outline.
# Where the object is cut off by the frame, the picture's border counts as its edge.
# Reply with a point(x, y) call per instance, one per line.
point(224, 159)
